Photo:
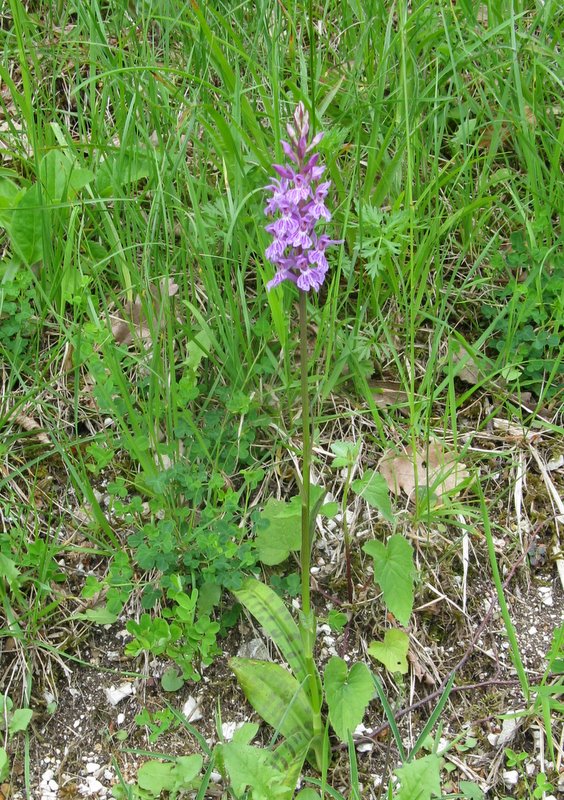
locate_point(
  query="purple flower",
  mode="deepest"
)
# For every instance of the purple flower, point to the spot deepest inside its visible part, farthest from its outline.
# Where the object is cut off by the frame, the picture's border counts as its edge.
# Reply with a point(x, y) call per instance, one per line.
point(298, 203)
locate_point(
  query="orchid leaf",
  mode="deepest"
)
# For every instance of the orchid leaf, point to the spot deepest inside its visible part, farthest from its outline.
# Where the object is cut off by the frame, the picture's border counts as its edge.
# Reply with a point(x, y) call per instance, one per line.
point(269, 610)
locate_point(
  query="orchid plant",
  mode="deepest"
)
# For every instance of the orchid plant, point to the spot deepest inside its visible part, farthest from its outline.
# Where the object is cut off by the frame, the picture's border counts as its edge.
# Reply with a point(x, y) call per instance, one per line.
point(291, 701)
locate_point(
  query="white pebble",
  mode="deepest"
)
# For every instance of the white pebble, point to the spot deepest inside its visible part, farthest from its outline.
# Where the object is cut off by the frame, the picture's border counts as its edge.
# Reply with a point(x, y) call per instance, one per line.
point(228, 729)
point(115, 694)
point(510, 777)
point(545, 593)
point(120, 719)
point(191, 709)
point(92, 766)
point(53, 785)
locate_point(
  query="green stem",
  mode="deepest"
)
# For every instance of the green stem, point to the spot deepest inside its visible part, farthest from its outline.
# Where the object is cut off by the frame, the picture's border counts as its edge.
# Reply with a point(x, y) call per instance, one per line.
point(350, 592)
point(308, 625)
point(306, 459)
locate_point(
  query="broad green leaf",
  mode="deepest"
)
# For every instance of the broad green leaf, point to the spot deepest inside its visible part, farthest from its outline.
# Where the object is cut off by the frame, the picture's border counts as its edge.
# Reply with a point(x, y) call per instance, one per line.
point(347, 694)
point(282, 532)
point(20, 720)
point(156, 777)
point(54, 172)
point(346, 453)
point(8, 569)
point(10, 194)
point(470, 790)
point(269, 610)
point(374, 489)
point(395, 572)
point(392, 652)
point(26, 227)
point(197, 349)
point(186, 771)
point(251, 766)
point(308, 794)
point(246, 733)
point(4, 764)
point(275, 695)
point(171, 681)
point(420, 780)
point(289, 758)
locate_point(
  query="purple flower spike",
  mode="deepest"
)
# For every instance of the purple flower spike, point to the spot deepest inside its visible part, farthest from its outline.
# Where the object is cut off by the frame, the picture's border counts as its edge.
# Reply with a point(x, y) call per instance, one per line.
point(298, 202)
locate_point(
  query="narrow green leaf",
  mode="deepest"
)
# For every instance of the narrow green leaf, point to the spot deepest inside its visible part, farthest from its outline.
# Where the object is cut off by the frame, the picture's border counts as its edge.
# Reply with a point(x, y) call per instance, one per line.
point(347, 694)
point(392, 652)
point(395, 572)
point(374, 489)
point(421, 779)
point(275, 695)
point(268, 608)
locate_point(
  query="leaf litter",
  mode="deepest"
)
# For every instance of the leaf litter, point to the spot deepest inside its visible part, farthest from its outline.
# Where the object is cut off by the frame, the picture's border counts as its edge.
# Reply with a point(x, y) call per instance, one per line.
point(433, 468)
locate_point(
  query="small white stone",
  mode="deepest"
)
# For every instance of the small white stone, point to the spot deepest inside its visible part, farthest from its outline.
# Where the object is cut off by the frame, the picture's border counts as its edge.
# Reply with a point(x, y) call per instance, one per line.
point(510, 777)
point(191, 709)
point(53, 785)
point(48, 774)
point(115, 694)
point(108, 775)
point(228, 729)
point(90, 787)
point(76, 723)
point(532, 630)
point(254, 648)
point(92, 766)
point(120, 719)
point(365, 747)
point(545, 593)
point(329, 640)
point(215, 777)
point(324, 628)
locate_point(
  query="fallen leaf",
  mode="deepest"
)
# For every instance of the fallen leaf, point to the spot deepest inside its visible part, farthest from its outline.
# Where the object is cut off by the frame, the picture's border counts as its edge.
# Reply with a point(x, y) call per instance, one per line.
point(131, 323)
point(387, 393)
point(435, 469)
point(30, 425)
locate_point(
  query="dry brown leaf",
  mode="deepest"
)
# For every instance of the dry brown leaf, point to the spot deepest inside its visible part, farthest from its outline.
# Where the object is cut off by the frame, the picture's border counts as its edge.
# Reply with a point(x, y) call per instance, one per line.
point(470, 372)
point(387, 393)
point(30, 425)
point(131, 323)
point(435, 468)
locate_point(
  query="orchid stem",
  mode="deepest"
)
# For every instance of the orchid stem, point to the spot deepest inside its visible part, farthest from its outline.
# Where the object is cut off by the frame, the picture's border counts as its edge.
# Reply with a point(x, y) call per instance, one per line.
point(306, 459)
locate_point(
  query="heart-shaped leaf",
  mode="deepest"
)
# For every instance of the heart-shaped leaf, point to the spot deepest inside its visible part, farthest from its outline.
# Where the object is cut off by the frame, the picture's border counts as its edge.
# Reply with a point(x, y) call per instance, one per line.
point(279, 530)
point(392, 652)
point(395, 572)
point(347, 694)
point(374, 489)
point(171, 681)
point(421, 779)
